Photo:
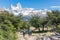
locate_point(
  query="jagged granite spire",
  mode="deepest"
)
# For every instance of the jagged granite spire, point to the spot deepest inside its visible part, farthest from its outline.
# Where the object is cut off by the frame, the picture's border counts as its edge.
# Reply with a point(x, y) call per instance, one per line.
point(19, 6)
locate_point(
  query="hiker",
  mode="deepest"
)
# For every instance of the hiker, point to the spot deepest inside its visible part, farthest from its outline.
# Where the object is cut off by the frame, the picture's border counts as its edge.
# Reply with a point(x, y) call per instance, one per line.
point(29, 32)
point(24, 33)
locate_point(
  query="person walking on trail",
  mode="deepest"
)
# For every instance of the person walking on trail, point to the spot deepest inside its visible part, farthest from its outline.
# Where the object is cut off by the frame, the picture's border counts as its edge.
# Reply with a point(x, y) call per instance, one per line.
point(24, 33)
point(29, 32)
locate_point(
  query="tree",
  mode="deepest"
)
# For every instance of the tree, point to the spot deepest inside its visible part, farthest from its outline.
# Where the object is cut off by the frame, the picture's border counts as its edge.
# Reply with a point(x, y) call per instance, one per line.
point(7, 29)
point(36, 22)
point(44, 23)
point(54, 18)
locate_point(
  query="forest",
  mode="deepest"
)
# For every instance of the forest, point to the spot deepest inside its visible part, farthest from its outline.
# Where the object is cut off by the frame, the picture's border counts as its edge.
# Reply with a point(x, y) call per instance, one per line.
point(10, 24)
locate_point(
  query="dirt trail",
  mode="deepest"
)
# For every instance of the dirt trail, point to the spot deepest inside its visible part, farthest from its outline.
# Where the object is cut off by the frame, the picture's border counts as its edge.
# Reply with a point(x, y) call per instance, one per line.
point(20, 37)
point(33, 37)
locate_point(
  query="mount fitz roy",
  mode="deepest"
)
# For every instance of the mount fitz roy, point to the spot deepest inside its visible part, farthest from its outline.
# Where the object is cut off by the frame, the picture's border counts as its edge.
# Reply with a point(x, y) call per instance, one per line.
point(28, 11)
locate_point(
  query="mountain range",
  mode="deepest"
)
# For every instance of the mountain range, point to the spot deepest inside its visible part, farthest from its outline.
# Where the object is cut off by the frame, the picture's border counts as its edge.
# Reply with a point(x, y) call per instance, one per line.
point(28, 11)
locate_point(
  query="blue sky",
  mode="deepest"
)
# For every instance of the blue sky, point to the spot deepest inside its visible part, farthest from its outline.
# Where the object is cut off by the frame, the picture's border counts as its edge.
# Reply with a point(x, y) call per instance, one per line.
point(37, 4)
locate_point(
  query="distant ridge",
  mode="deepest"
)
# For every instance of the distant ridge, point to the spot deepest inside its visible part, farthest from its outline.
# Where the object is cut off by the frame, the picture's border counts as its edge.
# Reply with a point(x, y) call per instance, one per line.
point(28, 11)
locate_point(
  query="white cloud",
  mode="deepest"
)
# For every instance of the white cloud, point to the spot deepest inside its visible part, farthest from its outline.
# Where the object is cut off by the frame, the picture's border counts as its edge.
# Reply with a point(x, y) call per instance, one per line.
point(54, 6)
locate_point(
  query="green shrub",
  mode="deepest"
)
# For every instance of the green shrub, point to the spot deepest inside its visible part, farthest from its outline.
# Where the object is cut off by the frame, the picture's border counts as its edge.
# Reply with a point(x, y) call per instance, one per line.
point(58, 30)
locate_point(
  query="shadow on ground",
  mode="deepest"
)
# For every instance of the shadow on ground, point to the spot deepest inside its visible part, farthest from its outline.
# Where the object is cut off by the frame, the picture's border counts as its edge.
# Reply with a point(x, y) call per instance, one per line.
point(41, 31)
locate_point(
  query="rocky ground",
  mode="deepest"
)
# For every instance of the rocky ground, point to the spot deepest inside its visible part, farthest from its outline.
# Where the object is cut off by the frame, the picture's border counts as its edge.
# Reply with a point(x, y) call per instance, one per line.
point(41, 36)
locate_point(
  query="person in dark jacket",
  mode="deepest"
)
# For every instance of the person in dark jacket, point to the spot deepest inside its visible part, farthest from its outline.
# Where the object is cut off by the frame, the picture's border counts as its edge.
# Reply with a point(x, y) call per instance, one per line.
point(24, 32)
point(29, 32)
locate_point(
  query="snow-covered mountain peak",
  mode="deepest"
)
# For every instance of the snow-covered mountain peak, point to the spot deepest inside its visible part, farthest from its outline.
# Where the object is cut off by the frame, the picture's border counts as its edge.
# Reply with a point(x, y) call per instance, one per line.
point(28, 11)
